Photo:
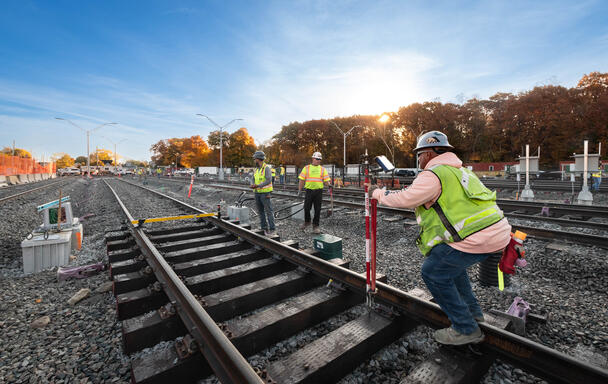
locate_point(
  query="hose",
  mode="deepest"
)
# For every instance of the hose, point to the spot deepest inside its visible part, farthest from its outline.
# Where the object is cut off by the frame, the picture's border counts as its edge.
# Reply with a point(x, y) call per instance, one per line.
point(276, 213)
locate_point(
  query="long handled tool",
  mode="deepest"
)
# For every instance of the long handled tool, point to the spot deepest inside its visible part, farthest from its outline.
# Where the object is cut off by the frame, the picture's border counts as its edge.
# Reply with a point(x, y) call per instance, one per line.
point(331, 198)
point(368, 290)
point(374, 206)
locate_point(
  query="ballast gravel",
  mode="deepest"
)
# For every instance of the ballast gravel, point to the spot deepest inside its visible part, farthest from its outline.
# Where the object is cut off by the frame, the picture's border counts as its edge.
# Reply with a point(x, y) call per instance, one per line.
point(565, 283)
point(80, 343)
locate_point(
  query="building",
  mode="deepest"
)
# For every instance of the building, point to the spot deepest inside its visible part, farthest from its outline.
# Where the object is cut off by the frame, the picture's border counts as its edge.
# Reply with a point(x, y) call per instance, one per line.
point(497, 169)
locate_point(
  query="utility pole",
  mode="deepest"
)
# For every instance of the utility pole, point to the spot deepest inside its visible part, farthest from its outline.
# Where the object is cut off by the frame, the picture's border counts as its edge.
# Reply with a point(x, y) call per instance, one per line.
point(344, 144)
point(88, 134)
point(221, 174)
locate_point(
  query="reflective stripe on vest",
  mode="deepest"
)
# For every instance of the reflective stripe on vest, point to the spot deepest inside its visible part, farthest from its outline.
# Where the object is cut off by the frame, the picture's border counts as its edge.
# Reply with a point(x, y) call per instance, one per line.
point(314, 175)
point(259, 177)
point(464, 207)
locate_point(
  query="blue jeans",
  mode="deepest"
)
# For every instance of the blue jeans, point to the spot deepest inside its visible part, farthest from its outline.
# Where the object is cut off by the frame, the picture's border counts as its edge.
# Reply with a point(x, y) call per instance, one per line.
point(596, 183)
point(262, 201)
point(445, 273)
point(282, 179)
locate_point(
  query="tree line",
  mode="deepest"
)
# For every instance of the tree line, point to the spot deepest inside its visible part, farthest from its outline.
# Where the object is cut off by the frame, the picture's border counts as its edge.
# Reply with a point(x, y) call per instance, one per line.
point(496, 129)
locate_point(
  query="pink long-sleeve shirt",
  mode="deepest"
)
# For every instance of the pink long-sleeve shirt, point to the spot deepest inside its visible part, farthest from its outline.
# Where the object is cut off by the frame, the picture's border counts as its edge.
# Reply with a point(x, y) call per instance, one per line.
point(426, 189)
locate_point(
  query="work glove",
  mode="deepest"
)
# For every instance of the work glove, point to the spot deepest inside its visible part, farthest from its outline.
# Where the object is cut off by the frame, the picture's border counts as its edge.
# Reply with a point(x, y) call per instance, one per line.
point(512, 252)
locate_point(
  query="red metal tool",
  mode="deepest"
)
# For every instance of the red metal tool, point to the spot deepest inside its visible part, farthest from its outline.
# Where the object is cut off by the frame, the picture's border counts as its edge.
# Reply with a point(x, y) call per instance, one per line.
point(191, 182)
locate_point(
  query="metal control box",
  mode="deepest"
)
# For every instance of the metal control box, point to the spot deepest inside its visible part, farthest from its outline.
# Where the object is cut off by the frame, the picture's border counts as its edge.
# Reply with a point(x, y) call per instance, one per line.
point(40, 253)
point(330, 247)
point(239, 213)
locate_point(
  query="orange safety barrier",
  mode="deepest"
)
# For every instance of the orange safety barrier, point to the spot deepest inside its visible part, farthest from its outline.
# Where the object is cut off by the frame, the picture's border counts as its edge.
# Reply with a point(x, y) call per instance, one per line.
point(14, 165)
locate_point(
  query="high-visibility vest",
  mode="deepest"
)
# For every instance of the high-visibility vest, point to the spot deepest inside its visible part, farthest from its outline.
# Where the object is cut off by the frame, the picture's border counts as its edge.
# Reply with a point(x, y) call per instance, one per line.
point(464, 207)
point(158, 170)
point(314, 175)
point(282, 171)
point(259, 177)
point(273, 172)
point(597, 174)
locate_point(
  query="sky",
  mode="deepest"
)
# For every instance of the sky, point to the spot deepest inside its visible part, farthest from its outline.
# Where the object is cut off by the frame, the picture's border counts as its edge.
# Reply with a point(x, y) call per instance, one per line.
point(151, 66)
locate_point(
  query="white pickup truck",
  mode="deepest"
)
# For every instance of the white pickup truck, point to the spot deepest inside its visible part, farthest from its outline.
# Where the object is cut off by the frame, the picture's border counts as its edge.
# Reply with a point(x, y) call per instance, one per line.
point(68, 171)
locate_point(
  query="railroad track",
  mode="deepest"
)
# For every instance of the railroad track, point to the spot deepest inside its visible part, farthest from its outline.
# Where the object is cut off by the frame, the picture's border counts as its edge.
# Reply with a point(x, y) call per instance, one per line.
point(214, 291)
point(19, 194)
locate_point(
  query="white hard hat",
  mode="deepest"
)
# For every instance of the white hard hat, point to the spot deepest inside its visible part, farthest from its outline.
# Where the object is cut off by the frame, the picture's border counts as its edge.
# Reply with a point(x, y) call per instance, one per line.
point(317, 155)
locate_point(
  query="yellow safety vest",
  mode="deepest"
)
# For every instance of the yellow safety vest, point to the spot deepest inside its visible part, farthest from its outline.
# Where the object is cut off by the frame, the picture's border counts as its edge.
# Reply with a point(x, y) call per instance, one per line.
point(314, 175)
point(282, 171)
point(597, 174)
point(274, 173)
point(259, 177)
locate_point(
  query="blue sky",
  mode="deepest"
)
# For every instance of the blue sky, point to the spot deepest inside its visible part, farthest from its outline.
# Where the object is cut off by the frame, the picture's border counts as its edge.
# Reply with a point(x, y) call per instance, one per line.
point(152, 65)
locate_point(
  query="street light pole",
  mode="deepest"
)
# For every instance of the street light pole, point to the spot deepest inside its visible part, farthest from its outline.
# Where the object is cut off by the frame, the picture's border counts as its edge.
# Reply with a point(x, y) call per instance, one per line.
point(115, 156)
point(221, 175)
point(344, 145)
point(88, 134)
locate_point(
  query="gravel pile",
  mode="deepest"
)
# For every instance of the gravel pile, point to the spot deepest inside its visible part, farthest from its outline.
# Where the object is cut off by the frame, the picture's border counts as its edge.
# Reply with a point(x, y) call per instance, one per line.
point(78, 343)
point(15, 189)
point(567, 285)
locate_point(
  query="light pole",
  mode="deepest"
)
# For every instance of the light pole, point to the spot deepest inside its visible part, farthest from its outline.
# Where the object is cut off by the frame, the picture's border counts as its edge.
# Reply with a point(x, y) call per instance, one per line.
point(344, 145)
point(221, 175)
point(115, 143)
point(88, 134)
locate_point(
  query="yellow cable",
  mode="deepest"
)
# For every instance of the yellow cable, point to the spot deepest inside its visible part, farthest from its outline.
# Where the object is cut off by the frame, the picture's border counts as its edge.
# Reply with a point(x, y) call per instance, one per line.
point(501, 280)
point(161, 219)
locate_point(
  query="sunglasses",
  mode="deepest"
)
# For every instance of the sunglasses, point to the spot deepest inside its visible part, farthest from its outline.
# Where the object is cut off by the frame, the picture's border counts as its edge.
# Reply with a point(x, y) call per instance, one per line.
point(421, 152)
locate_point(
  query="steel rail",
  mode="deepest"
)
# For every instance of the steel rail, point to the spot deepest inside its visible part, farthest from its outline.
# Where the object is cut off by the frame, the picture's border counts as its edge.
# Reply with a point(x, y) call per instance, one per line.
point(540, 233)
point(226, 361)
point(3, 199)
point(546, 362)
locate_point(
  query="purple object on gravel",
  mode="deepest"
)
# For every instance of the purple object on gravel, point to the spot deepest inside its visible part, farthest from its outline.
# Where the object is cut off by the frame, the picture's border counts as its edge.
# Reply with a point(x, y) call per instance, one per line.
point(520, 308)
point(79, 272)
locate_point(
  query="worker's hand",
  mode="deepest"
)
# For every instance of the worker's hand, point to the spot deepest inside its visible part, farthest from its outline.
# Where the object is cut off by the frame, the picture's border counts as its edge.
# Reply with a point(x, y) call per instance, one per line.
point(253, 186)
point(371, 190)
point(299, 193)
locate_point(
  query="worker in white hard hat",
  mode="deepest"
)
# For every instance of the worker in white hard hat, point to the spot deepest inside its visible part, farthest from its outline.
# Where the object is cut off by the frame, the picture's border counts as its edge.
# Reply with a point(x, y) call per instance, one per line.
point(312, 178)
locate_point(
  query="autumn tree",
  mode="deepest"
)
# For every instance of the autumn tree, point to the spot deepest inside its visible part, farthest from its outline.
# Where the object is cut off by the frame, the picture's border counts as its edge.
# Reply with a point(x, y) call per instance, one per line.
point(62, 160)
point(189, 152)
point(17, 152)
point(82, 160)
point(241, 148)
point(97, 157)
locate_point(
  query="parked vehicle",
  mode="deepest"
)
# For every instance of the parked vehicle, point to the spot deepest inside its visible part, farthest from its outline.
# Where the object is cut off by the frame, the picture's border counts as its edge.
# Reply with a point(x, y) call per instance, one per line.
point(549, 175)
point(405, 172)
point(206, 171)
point(68, 171)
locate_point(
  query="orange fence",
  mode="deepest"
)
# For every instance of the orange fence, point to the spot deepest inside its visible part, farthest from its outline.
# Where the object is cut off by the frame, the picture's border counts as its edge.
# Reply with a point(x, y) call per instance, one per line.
point(13, 165)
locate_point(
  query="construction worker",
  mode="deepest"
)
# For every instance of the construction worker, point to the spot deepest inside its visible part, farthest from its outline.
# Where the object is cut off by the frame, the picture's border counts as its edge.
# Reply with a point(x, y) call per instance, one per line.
point(282, 174)
point(312, 178)
point(460, 225)
point(262, 186)
point(158, 172)
point(274, 173)
point(597, 180)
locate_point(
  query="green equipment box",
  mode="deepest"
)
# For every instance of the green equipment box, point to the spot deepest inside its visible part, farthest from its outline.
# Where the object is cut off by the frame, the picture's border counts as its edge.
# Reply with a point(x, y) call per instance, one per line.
point(330, 247)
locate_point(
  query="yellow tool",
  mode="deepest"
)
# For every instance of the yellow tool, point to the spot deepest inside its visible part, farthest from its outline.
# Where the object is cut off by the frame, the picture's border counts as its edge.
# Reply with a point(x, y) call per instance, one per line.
point(161, 219)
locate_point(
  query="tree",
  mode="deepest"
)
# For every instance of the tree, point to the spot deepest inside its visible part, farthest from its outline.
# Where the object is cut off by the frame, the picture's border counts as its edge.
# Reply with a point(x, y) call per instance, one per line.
point(189, 152)
point(17, 152)
point(82, 160)
point(62, 160)
point(241, 148)
point(101, 154)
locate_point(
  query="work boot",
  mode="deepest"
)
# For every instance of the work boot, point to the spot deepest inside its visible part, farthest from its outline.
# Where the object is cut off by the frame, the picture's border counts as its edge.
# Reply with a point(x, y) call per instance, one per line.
point(451, 336)
point(270, 233)
point(316, 230)
point(304, 226)
point(479, 319)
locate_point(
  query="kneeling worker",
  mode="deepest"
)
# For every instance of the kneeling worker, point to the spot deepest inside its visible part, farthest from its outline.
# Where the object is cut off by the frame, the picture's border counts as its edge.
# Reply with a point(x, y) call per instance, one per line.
point(262, 185)
point(312, 178)
point(460, 225)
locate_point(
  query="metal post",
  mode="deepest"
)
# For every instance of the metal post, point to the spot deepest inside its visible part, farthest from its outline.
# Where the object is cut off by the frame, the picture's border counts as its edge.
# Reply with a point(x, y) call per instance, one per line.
point(527, 193)
point(221, 174)
point(88, 157)
point(584, 196)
